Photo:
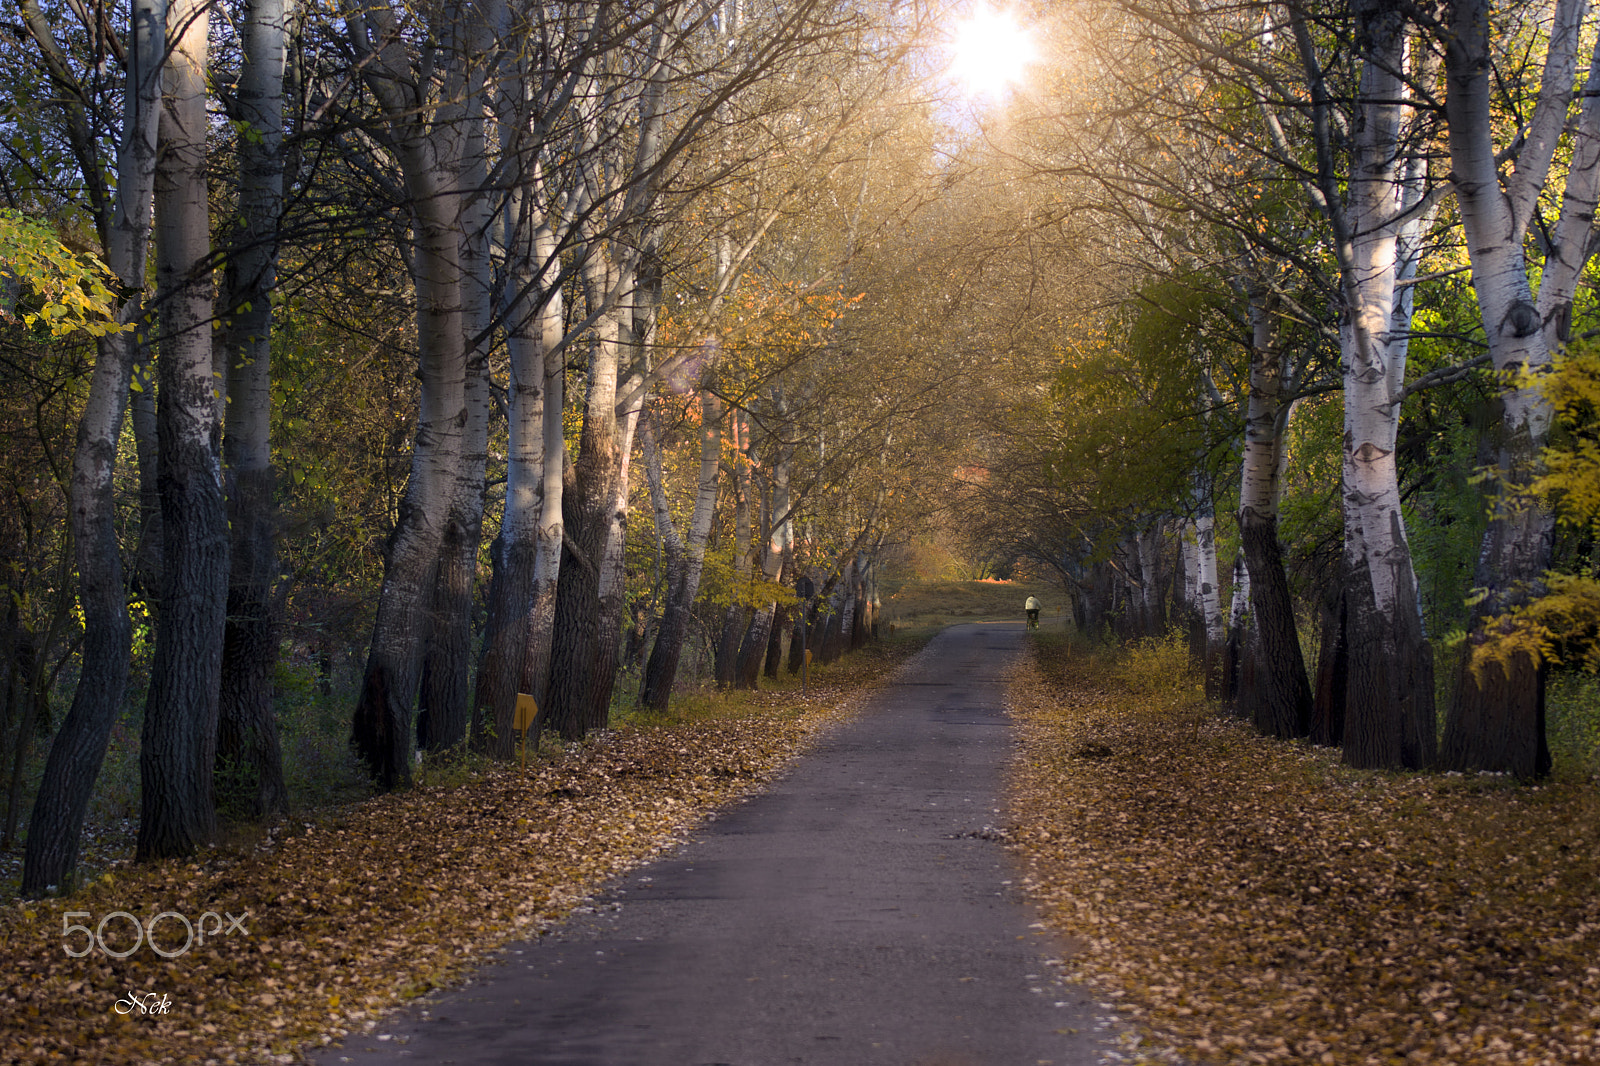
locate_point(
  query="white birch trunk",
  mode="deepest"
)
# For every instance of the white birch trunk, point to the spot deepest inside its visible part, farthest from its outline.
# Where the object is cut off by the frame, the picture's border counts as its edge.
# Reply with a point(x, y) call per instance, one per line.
point(426, 148)
point(532, 314)
point(444, 716)
point(753, 649)
point(1147, 541)
point(1389, 714)
point(737, 616)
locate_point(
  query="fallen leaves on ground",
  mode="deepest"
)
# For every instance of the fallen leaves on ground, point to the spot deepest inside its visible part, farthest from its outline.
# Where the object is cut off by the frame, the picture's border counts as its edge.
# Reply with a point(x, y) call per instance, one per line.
point(353, 912)
point(1254, 901)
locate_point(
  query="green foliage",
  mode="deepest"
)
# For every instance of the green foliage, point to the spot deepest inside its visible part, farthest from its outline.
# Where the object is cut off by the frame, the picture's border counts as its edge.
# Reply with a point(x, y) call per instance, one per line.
point(314, 733)
point(1310, 520)
point(1573, 723)
point(1444, 524)
point(63, 292)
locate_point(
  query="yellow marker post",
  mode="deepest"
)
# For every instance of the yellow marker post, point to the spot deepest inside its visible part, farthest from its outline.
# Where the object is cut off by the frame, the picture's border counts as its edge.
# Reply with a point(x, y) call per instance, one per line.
point(527, 711)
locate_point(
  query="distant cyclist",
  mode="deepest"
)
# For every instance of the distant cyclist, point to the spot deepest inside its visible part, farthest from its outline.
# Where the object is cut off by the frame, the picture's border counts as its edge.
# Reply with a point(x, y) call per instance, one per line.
point(1032, 607)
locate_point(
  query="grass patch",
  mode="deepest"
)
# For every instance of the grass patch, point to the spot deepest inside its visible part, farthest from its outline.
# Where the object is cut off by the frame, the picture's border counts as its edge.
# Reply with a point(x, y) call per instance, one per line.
point(1254, 901)
point(925, 607)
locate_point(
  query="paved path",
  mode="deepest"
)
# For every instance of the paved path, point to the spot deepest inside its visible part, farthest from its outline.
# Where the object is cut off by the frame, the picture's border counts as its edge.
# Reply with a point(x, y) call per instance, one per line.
point(855, 915)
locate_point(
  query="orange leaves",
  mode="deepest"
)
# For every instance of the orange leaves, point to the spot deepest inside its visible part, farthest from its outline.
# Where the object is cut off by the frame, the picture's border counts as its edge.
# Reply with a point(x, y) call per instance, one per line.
point(368, 906)
point(1253, 901)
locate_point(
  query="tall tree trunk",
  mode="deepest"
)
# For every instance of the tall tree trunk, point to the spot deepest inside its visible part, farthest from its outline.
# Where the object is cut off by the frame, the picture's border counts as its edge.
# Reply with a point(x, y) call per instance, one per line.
point(1333, 669)
point(613, 571)
point(247, 729)
point(513, 596)
point(1496, 717)
point(840, 613)
point(428, 153)
point(552, 510)
point(754, 651)
point(1208, 599)
point(737, 618)
point(443, 711)
point(1281, 704)
point(683, 577)
point(587, 509)
point(1189, 567)
point(1148, 543)
point(179, 744)
point(21, 694)
point(147, 553)
point(780, 624)
point(1237, 654)
point(1389, 707)
point(638, 330)
point(622, 291)
point(811, 623)
point(56, 825)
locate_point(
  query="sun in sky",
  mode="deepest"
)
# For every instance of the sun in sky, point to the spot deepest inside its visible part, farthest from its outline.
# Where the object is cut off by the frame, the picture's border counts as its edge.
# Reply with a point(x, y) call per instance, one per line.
point(989, 52)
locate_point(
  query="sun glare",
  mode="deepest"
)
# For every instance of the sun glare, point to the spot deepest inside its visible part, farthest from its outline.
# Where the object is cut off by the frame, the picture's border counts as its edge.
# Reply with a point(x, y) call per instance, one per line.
point(989, 51)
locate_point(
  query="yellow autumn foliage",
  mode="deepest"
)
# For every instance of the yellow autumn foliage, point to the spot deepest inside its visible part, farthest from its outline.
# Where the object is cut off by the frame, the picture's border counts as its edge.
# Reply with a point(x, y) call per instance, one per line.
point(62, 292)
point(1571, 479)
point(1562, 624)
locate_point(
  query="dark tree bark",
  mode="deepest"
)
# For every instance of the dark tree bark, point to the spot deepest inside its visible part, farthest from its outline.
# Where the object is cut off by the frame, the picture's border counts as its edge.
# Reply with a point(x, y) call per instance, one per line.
point(442, 712)
point(1496, 719)
point(808, 622)
point(1490, 725)
point(504, 642)
point(146, 574)
point(586, 513)
point(20, 690)
point(178, 748)
point(576, 637)
point(1389, 720)
point(780, 623)
point(247, 729)
point(683, 575)
point(1282, 705)
point(79, 748)
point(425, 144)
point(1333, 667)
point(830, 644)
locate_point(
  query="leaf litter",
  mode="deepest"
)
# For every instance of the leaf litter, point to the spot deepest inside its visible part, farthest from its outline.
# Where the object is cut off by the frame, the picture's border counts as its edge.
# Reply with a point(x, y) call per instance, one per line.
point(345, 914)
point(1244, 900)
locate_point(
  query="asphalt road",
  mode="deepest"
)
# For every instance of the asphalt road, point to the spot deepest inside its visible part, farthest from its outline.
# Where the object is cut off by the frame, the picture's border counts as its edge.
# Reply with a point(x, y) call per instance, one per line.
point(857, 914)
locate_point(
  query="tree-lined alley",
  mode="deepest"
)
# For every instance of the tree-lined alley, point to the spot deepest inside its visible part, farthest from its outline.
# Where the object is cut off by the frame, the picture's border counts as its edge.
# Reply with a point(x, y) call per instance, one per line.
point(429, 355)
